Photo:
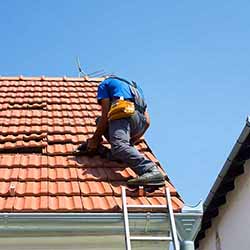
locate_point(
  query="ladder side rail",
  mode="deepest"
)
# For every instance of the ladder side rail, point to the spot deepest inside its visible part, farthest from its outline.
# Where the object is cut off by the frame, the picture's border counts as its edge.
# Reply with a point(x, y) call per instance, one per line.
point(172, 221)
point(125, 219)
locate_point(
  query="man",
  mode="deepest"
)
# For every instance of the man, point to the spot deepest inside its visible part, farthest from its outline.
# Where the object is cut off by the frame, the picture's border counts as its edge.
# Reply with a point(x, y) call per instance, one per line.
point(123, 133)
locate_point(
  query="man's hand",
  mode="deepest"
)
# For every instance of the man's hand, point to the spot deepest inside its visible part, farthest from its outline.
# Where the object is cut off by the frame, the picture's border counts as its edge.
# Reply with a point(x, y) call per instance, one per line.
point(94, 141)
point(92, 144)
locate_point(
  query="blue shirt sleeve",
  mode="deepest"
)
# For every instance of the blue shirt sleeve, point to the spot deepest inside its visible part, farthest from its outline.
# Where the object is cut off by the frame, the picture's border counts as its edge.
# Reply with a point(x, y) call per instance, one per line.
point(102, 92)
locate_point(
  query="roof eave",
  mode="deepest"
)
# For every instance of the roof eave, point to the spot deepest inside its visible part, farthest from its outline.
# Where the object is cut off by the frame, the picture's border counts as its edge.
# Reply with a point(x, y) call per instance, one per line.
point(235, 158)
point(49, 78)
point(245, 132)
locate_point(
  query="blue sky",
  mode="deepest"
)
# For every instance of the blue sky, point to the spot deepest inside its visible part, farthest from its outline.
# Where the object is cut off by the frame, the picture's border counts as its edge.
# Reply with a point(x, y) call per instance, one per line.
point(190, 57)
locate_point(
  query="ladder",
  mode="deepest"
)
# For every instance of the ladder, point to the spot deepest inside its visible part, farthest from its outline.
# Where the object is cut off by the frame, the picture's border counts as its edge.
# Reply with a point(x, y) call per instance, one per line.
point(169, 211)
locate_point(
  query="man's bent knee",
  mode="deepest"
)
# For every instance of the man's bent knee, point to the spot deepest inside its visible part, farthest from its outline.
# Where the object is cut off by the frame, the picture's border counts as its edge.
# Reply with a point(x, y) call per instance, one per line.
point(118, 151)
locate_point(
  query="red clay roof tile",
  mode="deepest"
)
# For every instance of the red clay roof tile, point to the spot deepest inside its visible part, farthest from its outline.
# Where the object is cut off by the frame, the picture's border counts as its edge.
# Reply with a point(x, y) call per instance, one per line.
point(64, 188)
point(57, 114)
point(4, 188)
point(7, 203)
point(33, 174)
point(96, 203)
point(95, 188)
point(62, 174)
point(9, 174)
point(90, 174)
point(119, 174)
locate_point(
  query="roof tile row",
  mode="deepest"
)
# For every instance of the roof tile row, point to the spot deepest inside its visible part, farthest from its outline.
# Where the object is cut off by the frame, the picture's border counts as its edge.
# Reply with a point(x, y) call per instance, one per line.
point(53, 85)
point(23, 144)
point(56, 121)
point(41, 161)
point(81, 106)
point(65, 174)
point(85, 79)
point(55, 188)
point(67, 148)
point(56, 129)
point(23, 137)
point(81, 188)
point(22, 129)
point(68, 176)
point(51, 100)
point(44, 92)
point(26, 113)
point(77, 203)
point(50, 107)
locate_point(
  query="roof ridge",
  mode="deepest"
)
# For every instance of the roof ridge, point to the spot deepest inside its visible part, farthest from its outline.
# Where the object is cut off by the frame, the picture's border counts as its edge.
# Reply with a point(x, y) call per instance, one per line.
point(47, 78)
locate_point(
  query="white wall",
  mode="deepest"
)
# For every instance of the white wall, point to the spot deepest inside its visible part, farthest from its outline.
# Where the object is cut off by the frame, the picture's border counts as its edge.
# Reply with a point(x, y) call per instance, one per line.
point(61, 243)
point(231, 228)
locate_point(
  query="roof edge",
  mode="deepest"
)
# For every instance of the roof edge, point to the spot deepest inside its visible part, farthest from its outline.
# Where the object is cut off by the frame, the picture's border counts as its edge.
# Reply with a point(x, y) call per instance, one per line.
point(77, 216)
point(47, 78)
point(234, 154)
point(245, 132)
point(87, 223)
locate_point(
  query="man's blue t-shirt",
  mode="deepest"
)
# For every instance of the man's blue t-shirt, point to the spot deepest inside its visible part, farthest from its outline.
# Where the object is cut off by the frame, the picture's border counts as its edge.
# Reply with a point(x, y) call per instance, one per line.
point(113, 88)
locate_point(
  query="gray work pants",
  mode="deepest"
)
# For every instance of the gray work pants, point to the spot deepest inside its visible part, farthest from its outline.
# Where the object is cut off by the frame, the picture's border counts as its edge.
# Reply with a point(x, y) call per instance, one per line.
point(119, 134)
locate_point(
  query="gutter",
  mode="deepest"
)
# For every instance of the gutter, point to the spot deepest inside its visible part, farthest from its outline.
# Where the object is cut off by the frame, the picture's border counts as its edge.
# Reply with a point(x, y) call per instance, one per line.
point(78, 223)
point(245, 132)
point(73, 217)
point(27, 224)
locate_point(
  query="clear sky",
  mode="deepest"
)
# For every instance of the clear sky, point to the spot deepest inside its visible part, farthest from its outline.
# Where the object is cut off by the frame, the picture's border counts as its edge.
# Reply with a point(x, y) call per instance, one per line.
point(190, 57)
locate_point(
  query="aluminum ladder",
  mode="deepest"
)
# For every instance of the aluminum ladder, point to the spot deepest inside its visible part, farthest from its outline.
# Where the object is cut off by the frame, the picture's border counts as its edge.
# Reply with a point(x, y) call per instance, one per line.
point(169, 211)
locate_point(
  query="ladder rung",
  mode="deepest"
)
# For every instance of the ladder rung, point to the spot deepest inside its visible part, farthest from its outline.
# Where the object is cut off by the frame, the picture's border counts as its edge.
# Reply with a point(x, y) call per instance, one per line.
point(146, 206)
point(160, 238)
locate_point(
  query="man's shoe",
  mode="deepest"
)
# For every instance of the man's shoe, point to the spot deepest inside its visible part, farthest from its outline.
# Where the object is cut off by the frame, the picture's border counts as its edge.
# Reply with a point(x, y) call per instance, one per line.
point(153, 177)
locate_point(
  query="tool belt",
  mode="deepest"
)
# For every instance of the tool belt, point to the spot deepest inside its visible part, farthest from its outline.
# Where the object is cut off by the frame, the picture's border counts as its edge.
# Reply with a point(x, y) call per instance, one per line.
point(121, 109)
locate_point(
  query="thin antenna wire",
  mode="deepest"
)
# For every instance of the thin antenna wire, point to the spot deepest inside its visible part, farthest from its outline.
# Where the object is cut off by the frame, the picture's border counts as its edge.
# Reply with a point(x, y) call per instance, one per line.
point(98, 72)
point(101, 74)
point(105, 74)
point(79, 68)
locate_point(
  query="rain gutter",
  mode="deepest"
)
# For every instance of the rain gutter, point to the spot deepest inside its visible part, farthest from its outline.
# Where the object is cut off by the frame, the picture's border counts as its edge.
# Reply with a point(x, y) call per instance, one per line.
point(77, 223)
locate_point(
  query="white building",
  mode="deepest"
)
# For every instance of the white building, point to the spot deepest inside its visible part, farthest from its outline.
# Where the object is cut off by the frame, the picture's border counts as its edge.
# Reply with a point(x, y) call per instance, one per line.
point(226, 220)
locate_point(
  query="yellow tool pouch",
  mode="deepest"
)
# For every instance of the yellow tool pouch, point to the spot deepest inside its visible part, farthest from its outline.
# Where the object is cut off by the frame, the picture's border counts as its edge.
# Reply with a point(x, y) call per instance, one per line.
point(121, 109)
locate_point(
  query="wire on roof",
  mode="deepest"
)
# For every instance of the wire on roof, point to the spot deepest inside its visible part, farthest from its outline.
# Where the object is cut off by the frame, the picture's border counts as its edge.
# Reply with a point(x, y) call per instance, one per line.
point(81, 72)
point(97, 73)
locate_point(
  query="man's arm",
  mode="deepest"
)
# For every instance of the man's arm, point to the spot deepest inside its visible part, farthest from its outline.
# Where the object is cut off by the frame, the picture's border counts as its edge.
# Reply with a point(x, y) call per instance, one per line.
point(101, 126)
